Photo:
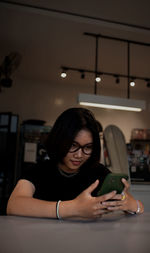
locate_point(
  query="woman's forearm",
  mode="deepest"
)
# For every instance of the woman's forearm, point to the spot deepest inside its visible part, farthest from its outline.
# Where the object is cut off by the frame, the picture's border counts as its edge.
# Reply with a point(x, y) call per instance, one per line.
point(29, 206)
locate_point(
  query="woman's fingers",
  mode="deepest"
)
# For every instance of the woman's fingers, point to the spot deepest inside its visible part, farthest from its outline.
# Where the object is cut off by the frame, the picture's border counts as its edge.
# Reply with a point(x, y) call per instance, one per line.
point(112, 203)
point(126, 184)
point(120, 202)
point(107, 196)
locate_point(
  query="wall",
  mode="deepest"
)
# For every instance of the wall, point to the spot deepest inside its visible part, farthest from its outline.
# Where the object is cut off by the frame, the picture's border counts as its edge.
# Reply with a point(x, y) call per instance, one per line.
point(32, 99)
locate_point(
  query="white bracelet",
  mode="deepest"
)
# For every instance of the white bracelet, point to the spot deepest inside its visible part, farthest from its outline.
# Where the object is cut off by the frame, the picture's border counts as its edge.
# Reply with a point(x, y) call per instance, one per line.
point(57, 210)
point(138, 208)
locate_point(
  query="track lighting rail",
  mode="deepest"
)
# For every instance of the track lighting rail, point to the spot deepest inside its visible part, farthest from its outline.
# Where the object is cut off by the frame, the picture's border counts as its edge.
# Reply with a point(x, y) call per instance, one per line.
point(130, 78)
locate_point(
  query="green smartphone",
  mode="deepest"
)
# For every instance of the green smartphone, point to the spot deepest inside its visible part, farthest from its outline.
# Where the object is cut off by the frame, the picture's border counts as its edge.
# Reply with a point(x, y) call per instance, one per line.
point(112, 182)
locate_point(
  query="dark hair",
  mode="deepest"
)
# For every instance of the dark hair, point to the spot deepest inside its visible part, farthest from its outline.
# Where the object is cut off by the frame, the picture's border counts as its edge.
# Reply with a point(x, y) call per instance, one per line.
point(65, 129)
point(99, 125)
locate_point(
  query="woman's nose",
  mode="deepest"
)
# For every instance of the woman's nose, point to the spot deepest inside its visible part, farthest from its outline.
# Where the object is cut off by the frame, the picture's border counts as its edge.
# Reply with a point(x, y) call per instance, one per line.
point(79, 153)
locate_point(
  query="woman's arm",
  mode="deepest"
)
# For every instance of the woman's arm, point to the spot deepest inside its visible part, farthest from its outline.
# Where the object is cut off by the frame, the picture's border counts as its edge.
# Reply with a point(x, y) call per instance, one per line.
point(21, 202)
point(84, 206)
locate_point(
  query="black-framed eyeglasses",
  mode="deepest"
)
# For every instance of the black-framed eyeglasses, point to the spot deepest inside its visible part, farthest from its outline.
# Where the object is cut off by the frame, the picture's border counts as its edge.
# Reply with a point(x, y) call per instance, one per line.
point(86, 149)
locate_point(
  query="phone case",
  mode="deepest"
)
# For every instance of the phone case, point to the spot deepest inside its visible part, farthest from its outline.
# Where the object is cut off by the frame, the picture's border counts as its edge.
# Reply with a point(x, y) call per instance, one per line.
point(112, 182)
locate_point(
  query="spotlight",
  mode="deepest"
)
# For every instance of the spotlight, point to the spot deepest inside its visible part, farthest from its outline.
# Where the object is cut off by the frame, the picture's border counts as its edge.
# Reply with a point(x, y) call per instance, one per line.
point(63, 74)
point(147, 80)
point(117, 79)
point(82, 74)
point(148, 84)
point(98, 79)
point(132, 82)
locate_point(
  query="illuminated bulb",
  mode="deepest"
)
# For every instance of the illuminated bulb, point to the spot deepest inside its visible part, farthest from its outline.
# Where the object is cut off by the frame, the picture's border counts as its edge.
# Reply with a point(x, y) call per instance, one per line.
point(132, 83)
point(97, 79)
point(63, 74)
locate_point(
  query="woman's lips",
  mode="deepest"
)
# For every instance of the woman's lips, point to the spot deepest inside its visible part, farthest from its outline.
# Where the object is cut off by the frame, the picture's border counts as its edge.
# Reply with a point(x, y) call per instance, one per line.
point(76, 163)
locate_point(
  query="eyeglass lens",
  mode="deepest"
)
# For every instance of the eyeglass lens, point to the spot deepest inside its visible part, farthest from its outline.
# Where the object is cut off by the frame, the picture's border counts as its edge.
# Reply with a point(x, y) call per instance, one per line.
point(86, 149)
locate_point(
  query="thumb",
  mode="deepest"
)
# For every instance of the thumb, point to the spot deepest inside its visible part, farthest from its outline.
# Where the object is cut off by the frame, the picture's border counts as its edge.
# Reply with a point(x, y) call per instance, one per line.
point(126, 184)
point(93, 186)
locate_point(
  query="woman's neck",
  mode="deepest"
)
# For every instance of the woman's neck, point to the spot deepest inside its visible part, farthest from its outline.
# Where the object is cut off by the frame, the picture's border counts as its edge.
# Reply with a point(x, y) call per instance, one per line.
point(66, 170)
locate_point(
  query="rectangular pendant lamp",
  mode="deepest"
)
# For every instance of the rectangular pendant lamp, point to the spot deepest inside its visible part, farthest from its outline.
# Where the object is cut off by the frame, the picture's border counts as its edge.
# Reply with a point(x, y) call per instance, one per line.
point(111, 102)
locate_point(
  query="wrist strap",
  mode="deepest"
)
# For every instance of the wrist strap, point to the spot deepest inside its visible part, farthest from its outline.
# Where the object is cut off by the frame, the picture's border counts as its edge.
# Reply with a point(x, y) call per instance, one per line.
point(57, 210)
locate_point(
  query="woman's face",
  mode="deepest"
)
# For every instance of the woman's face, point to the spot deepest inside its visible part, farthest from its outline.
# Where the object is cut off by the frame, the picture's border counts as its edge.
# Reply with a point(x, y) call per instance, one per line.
point(79, 152)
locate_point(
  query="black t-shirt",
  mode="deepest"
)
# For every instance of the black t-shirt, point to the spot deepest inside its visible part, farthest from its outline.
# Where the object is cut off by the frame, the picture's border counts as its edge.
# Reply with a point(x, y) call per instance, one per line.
point(53, 185)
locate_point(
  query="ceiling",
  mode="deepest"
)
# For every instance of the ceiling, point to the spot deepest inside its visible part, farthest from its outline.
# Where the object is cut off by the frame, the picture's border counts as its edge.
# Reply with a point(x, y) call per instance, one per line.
point(51, 35)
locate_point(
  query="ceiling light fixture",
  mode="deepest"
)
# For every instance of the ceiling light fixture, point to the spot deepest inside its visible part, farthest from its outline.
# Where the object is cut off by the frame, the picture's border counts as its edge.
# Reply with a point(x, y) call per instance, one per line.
point(132, 83)
point(148, 83)
point(112, 102)
point(117, 79)
point(108, 102)
point(63, 73)
point(82, 74)
point(98, 79)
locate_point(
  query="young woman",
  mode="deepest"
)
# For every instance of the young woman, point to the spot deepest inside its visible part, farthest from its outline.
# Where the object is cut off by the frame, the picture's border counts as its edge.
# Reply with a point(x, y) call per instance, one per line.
point(65, 186)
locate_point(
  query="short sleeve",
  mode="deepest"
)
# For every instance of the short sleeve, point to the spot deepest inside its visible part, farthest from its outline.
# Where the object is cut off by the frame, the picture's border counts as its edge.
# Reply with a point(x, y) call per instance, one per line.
point(30, 173)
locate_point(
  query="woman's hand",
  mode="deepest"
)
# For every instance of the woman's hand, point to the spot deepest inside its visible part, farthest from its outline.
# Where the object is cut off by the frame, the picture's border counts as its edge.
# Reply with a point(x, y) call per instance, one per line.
point(91, 207)
point(124, 201)
point(85, 206)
